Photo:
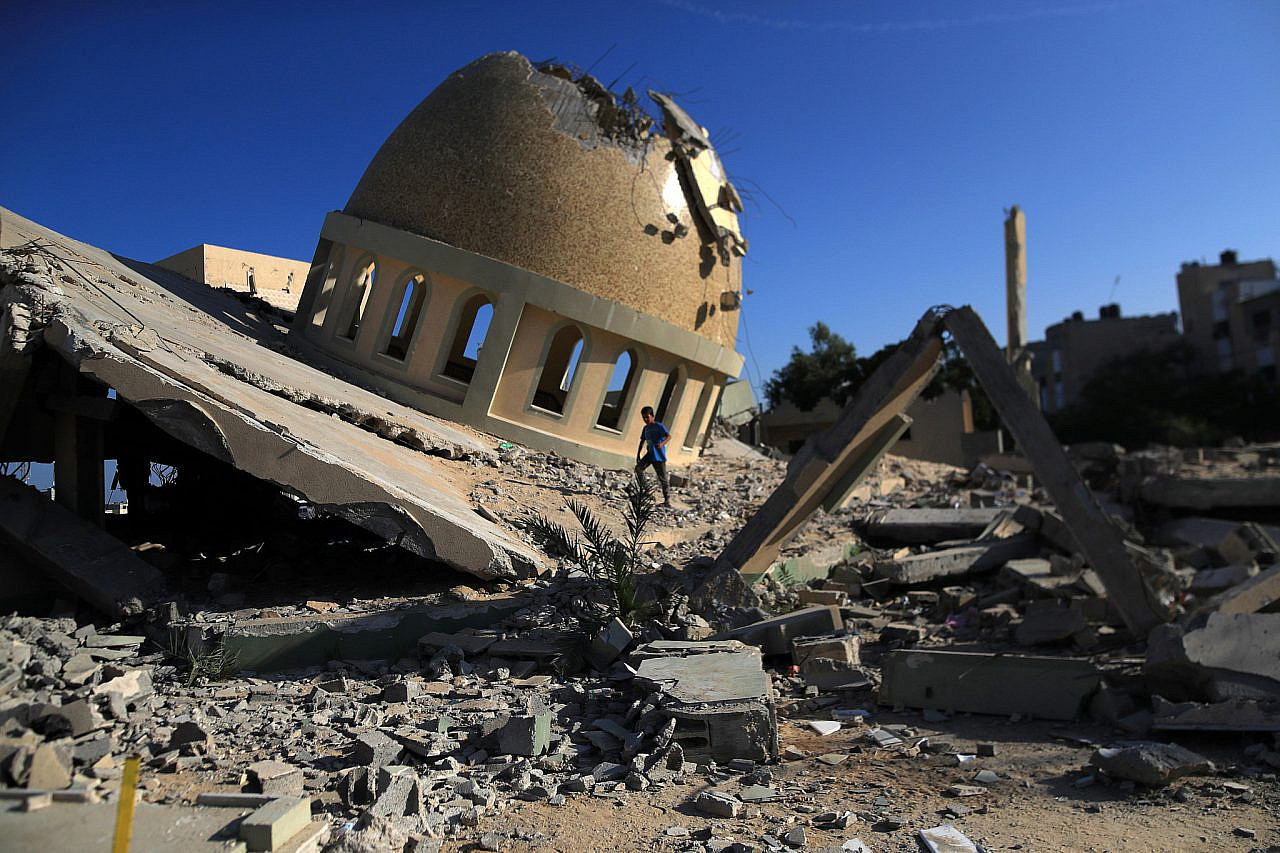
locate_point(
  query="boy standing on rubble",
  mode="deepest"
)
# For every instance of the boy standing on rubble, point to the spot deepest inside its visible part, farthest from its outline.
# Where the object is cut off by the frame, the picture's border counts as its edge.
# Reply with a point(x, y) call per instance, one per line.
point(656, 436)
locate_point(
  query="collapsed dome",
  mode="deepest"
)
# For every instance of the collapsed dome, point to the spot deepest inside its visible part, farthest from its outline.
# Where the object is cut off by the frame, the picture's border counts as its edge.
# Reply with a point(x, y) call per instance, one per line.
point(556, 175)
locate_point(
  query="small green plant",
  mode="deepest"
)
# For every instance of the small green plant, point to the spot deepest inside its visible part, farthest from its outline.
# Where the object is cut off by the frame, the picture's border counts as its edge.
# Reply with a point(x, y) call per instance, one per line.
point(216, 664)
point(610, 560)
point(785, 577)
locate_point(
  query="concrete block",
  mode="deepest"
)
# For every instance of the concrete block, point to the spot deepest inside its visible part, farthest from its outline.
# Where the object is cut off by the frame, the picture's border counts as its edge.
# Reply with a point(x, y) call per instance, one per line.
point(276, 778)
point(374, 749)
point(722, 703)
point(828, 674)
point(1049, 621)
point(1153, 764)
point(402, 691)
point(610, 644)
point(526, 734)
point(1233, 715)
point(984, 683)
point(717, 805)
point(272, 825)
point(845, 649)
point(905, 633)
point(821, 596)
point(774, 636)
point(393, 799)
point(1222, 656)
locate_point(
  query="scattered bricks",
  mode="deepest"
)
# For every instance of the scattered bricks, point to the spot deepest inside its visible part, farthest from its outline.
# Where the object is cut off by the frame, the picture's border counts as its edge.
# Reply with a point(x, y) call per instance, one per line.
point(374, 749)
point(1153, 764)
point(903, 633)
point(275, 778)
point(609, 644)
point(402, 691)
point(275, 823)
point(822, 596)
point(717, 805)
point(844, 649)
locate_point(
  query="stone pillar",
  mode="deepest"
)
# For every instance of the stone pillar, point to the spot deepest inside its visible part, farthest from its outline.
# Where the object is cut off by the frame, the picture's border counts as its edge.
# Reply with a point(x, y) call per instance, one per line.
point(1015, 266)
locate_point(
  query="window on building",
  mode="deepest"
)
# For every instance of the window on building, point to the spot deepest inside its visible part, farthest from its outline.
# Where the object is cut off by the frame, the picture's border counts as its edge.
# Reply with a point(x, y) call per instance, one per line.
point(559, 370)
point(1221, 330)
point(668, 393)
point(1261, 325)
point(1057, 361)
point(358, 299)
point(468, 339)
point(409, 310)
point(619, 391)
point(1225, 362)
point(1059, 396)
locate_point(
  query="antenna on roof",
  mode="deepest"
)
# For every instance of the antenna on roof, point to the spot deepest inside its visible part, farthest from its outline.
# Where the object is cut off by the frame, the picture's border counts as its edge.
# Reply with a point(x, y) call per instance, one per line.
point(1112, 296)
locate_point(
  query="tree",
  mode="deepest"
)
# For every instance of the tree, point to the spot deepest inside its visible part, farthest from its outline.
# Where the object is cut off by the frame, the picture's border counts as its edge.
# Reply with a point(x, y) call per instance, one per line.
point(827, 370)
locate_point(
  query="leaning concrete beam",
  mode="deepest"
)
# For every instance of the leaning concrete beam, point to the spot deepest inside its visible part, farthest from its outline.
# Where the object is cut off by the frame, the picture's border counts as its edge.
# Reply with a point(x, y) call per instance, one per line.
point(1099, 541)
point(831, 462)
point(90, 563)
point(1256, 594)
point(985, 683)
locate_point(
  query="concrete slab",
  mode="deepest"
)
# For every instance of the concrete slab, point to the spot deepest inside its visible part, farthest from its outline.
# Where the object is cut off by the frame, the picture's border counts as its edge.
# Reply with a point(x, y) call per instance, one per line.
point(775, 636)
point(985, 683)
point(1258, 593)
point(71, 828)
point(722, 702)
point(1224, 656)
point(78, 555)
point(270, 826)
point(1233, 715)
point(289, 642)
point(211, 373)
point(1201, 493)
point(924, 526)
point(957, 562)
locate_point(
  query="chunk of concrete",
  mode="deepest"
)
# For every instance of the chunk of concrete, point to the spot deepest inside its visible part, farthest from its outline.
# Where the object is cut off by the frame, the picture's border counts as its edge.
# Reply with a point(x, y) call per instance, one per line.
point(610, 644)
point(1233, 715)
point(775, 636)
point(926, 526)
point(957, 562)
point(375, 749)
point(1206, 493)
point(946, 839)
point(986, 683)
point(1224, 656)
point(272, 825)
point(722, 702)
point(526, 734)
point(828, 674)
point(276, 778)
point(717, 804)
point(1049, 621)
point(845, 649)
point(1258, 593)
point(1152, 764)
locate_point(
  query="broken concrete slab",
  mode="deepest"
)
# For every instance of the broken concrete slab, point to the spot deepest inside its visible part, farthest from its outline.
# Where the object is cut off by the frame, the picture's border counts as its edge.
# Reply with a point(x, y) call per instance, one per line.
point(1049, 621)
point(267, 644)
point(1258, 593)
point(722, 702)
point(845, 649)
point(1152, 764)
point(1203, 493)
point(164, 344)
point(984, 683)
point(526, 734)
point(72, 827)
point(1232, 715)
point(1100, 542)
point(926, 526)
point(1222, 656)
point(774, 636)
point(955, 562)
point(78, 555)
point(946, 839)
point(609, 644)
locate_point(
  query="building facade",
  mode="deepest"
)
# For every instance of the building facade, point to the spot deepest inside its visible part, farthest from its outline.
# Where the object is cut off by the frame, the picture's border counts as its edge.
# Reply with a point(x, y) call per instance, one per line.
point(1074, 350)
point(1230, 314)
point(279, 281)
point(529, 254)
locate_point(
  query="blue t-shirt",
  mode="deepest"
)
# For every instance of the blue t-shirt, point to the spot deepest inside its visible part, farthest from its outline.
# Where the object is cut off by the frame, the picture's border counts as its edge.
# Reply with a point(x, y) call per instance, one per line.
point(654, 433)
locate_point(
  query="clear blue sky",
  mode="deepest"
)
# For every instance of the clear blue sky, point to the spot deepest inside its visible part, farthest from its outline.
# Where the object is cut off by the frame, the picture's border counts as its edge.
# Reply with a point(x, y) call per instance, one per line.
point(888, 136)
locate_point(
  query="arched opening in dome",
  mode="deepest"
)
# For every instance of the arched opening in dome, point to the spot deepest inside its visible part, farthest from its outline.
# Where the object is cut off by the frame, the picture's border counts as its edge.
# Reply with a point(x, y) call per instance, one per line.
point(691, 435)
point(675, 382)
point(559, 369)
point(468, 339)
point(357, 299)
point(619, 390)
point(413, 293)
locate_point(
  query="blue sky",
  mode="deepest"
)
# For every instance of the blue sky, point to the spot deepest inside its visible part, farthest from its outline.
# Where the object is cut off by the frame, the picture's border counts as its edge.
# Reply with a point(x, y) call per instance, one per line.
point(880, 141)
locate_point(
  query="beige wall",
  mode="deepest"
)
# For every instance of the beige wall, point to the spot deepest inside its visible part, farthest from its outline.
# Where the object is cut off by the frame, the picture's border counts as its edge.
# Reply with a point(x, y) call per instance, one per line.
point(278, 280)
point(499, 397)
point(1202, 325)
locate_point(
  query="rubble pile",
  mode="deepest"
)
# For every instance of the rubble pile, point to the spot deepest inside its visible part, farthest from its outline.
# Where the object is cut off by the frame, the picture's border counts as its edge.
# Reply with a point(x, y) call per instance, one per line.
point(934, 594)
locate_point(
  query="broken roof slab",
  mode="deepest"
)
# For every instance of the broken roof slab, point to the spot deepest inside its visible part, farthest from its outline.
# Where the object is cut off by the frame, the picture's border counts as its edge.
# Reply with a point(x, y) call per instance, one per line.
point(206, 369)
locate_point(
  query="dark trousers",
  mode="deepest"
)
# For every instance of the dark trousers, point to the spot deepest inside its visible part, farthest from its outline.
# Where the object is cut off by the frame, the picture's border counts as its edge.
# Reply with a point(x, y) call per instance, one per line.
point(659, 468)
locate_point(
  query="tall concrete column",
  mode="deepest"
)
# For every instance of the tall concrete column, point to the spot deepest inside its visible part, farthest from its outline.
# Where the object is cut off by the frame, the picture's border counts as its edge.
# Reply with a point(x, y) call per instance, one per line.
point(1015, 273)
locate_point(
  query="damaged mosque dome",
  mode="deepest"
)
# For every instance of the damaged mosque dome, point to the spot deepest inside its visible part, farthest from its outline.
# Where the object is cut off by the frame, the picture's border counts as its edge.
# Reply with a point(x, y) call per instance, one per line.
point(537, 257)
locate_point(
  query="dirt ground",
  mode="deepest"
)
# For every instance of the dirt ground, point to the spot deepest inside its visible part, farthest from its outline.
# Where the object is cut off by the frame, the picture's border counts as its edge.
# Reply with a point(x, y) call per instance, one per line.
point(1034, 807)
